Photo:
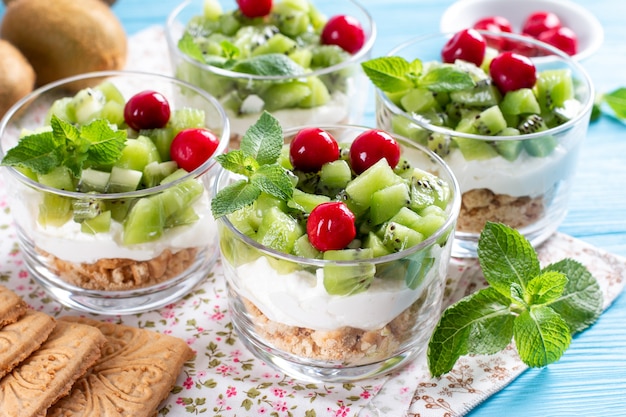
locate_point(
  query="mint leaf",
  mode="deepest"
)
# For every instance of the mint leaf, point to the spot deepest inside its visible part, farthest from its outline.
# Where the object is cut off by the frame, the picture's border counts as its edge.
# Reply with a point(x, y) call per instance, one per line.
point(189, 47)
point(391, 74)
point(616, 100)
point(545, 288)
point(541, 336)
point(105, 144)
point(581, 302)
point(234, 197)
point(256, 159)
point(236, 161)
point(39, 152)
point(446, 79)
point(64, 131)
point(268, 65)
point(505, 257)
point(272, 180)
point(462, 328)
point(263, 140)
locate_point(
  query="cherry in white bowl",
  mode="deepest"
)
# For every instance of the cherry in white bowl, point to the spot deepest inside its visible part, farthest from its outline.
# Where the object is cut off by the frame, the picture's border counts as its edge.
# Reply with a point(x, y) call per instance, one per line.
point(123, 224)
point(584, 25)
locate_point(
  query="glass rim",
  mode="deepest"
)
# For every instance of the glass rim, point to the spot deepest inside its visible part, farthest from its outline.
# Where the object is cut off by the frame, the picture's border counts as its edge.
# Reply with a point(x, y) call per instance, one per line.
point(353, 58)
point(451, 218)
point(562, 56)
point(198, 172)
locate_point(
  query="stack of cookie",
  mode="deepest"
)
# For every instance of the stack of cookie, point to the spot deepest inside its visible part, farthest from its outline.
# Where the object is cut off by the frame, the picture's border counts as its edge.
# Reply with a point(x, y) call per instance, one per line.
point(75, 366)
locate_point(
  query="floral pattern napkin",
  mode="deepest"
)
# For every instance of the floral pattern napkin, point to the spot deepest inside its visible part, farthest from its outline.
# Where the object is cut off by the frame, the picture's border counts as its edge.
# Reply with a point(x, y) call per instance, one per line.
point(225, 380)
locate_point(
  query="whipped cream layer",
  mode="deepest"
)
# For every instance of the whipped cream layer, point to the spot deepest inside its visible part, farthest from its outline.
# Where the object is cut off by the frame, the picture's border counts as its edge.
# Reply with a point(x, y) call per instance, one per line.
point(300, 299)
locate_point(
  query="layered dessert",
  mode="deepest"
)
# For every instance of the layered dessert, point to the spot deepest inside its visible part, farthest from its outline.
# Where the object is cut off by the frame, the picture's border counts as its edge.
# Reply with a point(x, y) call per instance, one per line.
point(505, 125)
point(347, 267)
point(114, 202)
point(285, 57)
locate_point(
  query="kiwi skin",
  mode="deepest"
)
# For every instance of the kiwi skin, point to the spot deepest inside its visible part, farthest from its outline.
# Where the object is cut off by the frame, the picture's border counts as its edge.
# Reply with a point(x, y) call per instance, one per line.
point(17, 76)
point(62, 38)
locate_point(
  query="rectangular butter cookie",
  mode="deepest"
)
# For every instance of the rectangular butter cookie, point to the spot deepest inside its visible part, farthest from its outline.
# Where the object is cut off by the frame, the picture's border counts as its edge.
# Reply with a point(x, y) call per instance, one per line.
point(137, 370)
point(12, 307)
point(20, 339)
point(49, 373)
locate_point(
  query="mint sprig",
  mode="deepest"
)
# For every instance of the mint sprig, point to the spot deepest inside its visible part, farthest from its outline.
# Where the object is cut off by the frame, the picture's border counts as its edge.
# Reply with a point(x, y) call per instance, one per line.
point(93, 144)
point(394, 74)
point(539, 308)
point(257, 160)
point(271, 64)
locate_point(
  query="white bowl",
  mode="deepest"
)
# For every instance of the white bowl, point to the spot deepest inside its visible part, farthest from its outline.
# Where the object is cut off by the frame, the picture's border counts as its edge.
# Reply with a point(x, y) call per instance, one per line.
point(464, 13)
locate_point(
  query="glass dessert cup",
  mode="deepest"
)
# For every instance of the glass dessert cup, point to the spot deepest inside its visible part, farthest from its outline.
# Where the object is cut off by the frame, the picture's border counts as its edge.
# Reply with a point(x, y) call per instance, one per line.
point(286, 317)
point(338, 92)
point(528, 189)
point(98, 272)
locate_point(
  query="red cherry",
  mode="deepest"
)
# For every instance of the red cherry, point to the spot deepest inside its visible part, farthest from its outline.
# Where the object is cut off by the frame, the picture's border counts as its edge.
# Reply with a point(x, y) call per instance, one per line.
point(563, 38)
point(467, 44)
point(331, 226)
point(494, 24)
point(511, 71)
point(538, 22)
point(370, 147)
point(311, 148)
point(147, 110)
point(345, 32)
point(255, 8)
point(192, 147)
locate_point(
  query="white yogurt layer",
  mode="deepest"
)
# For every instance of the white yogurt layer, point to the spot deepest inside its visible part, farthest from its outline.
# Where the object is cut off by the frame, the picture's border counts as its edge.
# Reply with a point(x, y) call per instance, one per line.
point(70, 244)
point(336, 111)
point(526, 176)
point(299, 298)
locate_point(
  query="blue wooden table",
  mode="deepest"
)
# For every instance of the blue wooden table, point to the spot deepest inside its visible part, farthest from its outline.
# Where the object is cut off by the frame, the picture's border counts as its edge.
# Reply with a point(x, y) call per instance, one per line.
point(590, 379)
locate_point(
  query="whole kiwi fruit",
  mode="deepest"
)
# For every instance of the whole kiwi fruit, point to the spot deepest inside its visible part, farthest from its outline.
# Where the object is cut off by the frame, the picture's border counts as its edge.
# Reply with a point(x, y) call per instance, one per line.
point(109, 2)
point(17, 77)
point(62, 38)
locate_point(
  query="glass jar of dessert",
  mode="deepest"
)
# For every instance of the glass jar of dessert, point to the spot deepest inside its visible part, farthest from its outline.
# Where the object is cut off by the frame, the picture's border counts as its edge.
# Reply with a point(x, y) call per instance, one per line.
point(108, 178)
point(298, 59)
point(506, 112)
point(342, 276)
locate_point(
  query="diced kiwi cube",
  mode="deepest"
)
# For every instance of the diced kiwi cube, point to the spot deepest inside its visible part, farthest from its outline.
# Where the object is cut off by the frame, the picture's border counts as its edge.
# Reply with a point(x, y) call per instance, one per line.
point(212, 9)
point(59, 177)
point(553, 88)
point(407, 128)
point(304, 249)
point(111, 92)
point(509, 149)
point(375, 243)
point(417, 100)
point(87, 208)
point(278, 44)
point(93, 180)
point(541, 146)
point(306, 201)
point(426, 189)
point(144, 222)
point(378, 176)
point(137, 153)
point(155, 172)
point(335, 174)
point(482, 95)
point(387, 202)
point(519, 101)
point(54, 210)
point(278, 230)
point(285, 95)
point(490, 121)
point(86, 105)
point(348, 279)
point(184, 217)
point(319, 94)
point(475, 149)
point(186, 118)
point(99, 224)
point(177, 198)
point(123, 180)
point(398, 237)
